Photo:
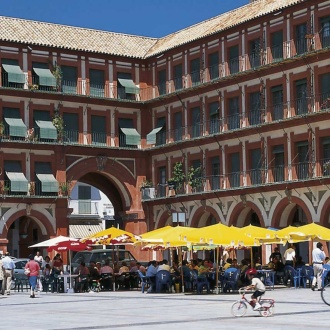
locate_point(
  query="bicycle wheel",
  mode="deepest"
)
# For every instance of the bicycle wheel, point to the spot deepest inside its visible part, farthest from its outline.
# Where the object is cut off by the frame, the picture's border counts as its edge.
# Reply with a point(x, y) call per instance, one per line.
point(325, 294)
point(238, 309)
point(267, 311)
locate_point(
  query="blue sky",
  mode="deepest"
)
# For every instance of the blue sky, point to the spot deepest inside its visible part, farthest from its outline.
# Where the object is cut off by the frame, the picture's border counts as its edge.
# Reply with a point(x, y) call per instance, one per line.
point(152, 18)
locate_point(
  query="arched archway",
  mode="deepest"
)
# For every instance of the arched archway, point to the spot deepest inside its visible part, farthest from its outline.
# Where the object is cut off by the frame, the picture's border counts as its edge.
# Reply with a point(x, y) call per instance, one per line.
point(245, 214)
point(204, 216)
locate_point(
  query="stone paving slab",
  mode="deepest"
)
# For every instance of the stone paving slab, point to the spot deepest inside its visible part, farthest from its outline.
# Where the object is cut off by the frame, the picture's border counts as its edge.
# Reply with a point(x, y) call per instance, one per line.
point(294, 309)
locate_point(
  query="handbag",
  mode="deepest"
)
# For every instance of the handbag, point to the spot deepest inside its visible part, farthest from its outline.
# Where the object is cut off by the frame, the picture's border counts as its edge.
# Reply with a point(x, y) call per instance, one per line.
point(26, 271)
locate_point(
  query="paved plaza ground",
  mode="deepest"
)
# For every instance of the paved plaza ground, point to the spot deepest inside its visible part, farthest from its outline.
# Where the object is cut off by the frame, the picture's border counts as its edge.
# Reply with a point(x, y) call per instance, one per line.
point(294, 309)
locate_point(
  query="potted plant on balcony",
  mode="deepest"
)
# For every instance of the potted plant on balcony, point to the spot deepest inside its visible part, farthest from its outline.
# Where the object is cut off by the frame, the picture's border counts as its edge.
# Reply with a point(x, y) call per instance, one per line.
point(178, 178)
point(194, 177)
point(58, 122)
point(147, 189)
point(64, 188)
point(32, 188)
point(2, 128)
point(4, 188)
point(58, 74)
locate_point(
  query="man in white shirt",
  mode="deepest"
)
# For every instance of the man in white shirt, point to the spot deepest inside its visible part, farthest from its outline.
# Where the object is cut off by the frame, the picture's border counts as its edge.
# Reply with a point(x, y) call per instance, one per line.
point(318, 260)
point(38, 258)
point(290, 255)
point(8, 267)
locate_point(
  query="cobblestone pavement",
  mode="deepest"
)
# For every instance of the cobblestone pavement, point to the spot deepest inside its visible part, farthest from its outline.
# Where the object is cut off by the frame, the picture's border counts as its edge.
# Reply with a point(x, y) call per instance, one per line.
point(294, 309)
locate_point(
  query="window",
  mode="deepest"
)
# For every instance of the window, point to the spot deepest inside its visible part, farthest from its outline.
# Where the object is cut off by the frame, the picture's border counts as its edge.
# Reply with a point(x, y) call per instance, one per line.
point(214, 65)
point(215, 172)
point(84, 199)
point(325, 91)
point(161, 188)
point(278, 169)
point(14, 125)
point(277, 46)
point(301, 41)
point(234, 170)
point(126, 89)
point(302, 167)
point(301, 97)
point(233, 59)
point(256, 167)
point(178, 77)
point(69, 79)
point(43, 77)
point(233, 113)
point(71, 127)
point(12, 75)
point(45, 180)
point(195, 67)
point(43, 126)
point(214, 117)
point(255, 52)
point(162, 82)
point(98, 130)
point(128, 135)
point(325, 32)
point(161, 135)
point(178, 126)
point(96, 83)
point(195, 122)
point(326, 155)
point(277, 101)
point(255, 109)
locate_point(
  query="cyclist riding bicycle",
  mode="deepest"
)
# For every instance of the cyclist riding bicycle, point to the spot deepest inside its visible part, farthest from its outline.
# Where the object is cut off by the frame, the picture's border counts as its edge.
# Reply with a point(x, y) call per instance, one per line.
point(256, 285)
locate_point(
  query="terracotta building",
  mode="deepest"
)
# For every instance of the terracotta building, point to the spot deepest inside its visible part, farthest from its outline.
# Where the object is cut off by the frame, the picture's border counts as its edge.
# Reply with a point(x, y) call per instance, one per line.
point(227, 119)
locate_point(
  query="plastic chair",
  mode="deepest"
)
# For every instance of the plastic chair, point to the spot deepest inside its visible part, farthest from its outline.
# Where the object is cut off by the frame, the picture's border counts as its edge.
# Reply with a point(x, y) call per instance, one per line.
point(325, 274)
point(230, 279)
point(293, 275)
point(145, 281)
point(163, 279)
point(307, 274)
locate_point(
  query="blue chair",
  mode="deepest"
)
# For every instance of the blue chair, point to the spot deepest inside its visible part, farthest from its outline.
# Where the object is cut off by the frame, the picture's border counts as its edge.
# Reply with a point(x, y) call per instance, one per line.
point(293, 275)
point(325, 275)
point(163, 279)
point(144, 280)
point(230, 279)
point(307, 274)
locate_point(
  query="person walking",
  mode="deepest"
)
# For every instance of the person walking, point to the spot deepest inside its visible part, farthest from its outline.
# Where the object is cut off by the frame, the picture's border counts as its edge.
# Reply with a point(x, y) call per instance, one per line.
point(8, 267)
point(318, 260)
point(32, 272)
point(1, 273)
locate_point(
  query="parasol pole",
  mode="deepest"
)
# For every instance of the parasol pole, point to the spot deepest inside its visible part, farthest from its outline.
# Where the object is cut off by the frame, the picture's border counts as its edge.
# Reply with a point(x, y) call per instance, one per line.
point(251, 253)
point(217, 254)
point(181, 270)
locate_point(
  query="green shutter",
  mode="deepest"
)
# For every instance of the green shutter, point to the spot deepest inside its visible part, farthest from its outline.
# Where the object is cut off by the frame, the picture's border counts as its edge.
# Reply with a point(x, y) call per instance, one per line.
point(130, 87)
point(47, 130)
point(69, 79)
point(214, 108)
point(256, 158)
point(46, 78)
point(15, 74)
point(151, 137)
point(16, 127)
point(48, 182)
point(18, 182)
point(278, 149)
point(132, 136)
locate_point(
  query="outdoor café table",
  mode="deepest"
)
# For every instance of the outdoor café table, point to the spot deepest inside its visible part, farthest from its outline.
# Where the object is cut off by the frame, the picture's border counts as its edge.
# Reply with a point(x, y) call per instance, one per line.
point(268, 276)
point(67, 278)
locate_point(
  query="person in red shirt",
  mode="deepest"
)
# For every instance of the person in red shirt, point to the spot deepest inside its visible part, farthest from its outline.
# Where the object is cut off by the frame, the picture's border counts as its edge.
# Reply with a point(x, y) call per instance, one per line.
point(32, 273)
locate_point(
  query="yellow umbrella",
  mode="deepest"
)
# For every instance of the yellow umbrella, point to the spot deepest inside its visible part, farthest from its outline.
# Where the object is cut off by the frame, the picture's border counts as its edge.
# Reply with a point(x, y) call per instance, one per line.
point(111, 236)
point(259, 232)
point(305, 233)
point(170, 236)
point(220, 234)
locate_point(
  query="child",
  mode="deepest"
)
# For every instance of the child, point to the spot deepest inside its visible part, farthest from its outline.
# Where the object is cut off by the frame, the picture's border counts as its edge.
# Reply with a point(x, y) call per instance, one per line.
point(256, 285)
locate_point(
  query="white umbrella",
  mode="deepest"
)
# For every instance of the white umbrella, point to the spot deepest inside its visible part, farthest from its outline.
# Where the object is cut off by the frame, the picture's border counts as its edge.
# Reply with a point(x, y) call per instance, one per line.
point(51, 242)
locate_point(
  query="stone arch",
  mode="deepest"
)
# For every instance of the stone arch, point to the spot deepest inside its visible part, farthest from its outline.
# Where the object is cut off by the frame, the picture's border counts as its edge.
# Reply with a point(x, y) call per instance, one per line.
point(201, 216)
point(120, 185)
point(284, 209)
point(325, 211)
point(43, 222)
point(240, 212)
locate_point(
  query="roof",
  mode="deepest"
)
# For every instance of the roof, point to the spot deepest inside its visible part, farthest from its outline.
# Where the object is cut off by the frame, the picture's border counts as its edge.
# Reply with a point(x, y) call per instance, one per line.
point(96, 41)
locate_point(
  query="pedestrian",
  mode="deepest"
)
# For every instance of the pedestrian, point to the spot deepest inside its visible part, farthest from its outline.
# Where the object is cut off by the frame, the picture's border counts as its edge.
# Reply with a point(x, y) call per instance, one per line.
point(318, 260)
point(8, 267)
point(1, 273)
point(38, 258)
point(32, 269)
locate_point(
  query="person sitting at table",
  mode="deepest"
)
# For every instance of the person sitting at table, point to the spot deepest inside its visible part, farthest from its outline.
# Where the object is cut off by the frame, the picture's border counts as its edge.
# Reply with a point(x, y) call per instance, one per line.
point(81, 281)
point(46, 261)
point(193, 265)
point(94, 275)
point(106, 275)
point(163, 265)
point(116, 267)
point(279, 270)
point(235, 264)
point(186, 275)
point(227, 264)
point(204, 268)
point(133, 267)
point(141, 268)
point(57, 270)
point(151, 274)
point(299, 262)
point(243, 279)
point(257, 263)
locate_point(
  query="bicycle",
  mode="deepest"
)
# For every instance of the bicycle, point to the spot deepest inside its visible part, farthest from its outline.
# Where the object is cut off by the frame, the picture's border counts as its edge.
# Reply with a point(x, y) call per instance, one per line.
point(239, 307)
point(325, 294)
